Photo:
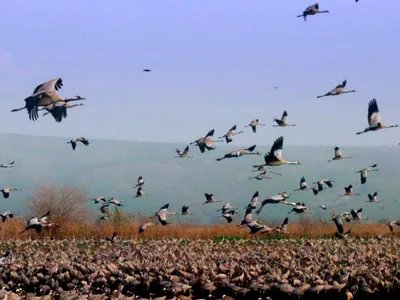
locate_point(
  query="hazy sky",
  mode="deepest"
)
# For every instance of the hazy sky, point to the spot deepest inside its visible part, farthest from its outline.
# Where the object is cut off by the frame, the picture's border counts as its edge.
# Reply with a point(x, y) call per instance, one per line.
point(214, 64)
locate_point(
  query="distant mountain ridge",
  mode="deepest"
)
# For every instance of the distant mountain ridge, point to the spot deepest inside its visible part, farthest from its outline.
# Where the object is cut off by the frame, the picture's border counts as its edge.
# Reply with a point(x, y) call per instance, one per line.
point(111, 168)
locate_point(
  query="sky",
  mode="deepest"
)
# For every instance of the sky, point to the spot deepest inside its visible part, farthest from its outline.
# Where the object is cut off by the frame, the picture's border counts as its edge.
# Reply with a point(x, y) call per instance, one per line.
point(214, 64)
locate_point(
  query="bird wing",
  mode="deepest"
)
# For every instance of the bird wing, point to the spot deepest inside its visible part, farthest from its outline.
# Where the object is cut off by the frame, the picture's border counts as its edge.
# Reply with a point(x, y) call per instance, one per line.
point(374, 116)
point(49, 86)
point(276, 149)
point(210, 133)
point(233, 128)
point(284, 117)
point(186, 150)
point(312, 7)
point(342, 85)
point(283, 227)
point(303, 182)
point(251, 149)
point(339, 224)
point(338, 152)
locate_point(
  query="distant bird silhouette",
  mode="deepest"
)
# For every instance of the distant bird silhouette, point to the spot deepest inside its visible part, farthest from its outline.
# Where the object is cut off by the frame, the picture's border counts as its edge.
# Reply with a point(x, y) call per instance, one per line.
point(9, 165)
point(184, 153)
point(374, 118)
point(206, 142)
point(141, 182)
point(210, 198)
point(274, 156)
point(81, 139)
point(146, 70)
point(261, 176)
point(139, 192)
point(230, 134)
point(312, 10)
point(338, 90)
point(283, 121)
point(59, 110)
point(253, 124)
point(6, 191)
point(338, 155)
point(303, 184)
point(348, 191)
point(240, 152)
point(162, 214)
point(145, 225)
point(185, 210)
point(364, 172)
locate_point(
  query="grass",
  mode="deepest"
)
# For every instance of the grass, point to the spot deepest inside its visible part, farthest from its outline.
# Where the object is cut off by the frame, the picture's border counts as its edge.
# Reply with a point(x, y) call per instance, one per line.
point(128, 228)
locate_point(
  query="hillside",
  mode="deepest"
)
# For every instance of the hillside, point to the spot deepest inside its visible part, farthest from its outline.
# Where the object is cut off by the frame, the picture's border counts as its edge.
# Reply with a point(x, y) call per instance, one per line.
point(111, 168)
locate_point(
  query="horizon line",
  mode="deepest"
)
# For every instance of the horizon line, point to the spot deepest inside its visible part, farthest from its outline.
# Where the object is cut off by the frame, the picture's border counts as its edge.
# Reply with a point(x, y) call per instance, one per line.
point(177, 142)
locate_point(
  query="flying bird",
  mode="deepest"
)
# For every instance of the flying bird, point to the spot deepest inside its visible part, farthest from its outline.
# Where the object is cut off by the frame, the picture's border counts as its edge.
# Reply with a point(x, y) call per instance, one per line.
point(274, 157)
point(6, 191)
point(283, 227)
point(184, 153)
point(100, 199)
point(38, 223)
point(9, 165)
point(230, 134)
point(145, 225)
point(141, 182)
point(338, 155)
point(338, 90)
point(81, 139)
point(283, 121)
point(7, 214)
point(261, 176)
point(206, 143)
point(364, 172)
point(139, 192)
point(253, 124)
point(339, 226)
point(43, 95)
point(279, 198)
point(254, 201)
point(210, 198)
point(303, 184)
point(348, 191)
point(392, 223)
point(163, 213)
point(312, 10)
point(185, 210)
point(59, 110)
point(374, 118)
point(240, 152)
point(356, 214)
point(146, 70)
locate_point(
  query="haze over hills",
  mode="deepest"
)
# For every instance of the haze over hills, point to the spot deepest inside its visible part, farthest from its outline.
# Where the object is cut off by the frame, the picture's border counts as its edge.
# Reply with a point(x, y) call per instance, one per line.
point(111, 168)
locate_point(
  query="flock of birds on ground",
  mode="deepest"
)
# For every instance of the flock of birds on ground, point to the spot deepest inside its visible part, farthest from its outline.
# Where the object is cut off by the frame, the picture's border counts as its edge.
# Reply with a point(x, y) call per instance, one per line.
point(45, 97)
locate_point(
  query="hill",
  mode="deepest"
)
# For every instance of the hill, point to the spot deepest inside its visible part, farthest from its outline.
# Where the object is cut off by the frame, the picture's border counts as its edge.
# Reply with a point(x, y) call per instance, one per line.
point(111, 168)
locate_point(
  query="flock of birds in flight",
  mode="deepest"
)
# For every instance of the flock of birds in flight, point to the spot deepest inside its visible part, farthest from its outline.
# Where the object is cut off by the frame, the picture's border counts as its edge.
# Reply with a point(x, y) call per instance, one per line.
point(45, 97)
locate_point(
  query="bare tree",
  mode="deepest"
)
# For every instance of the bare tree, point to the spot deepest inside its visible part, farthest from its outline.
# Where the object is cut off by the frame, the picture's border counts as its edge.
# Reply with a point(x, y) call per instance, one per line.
point(66, 203)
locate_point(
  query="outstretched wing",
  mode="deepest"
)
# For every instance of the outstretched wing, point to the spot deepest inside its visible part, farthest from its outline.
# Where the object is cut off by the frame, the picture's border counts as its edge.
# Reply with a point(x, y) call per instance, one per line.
point(49, 86)
point(284, 117)
point(251, 149)
point(374, 116)
point(210, 133)
point(276, 149)
point(342, 85)
point(233, 128)
point(338, 152)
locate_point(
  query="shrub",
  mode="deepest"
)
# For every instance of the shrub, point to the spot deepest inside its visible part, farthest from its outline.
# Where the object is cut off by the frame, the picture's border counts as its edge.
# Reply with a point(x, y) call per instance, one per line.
point(66, 204)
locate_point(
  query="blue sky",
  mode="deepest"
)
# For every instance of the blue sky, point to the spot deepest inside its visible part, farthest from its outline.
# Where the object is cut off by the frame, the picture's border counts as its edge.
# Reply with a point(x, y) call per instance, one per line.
point(214, 65)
